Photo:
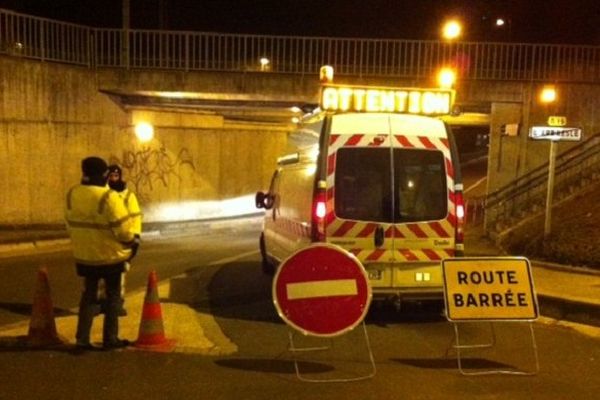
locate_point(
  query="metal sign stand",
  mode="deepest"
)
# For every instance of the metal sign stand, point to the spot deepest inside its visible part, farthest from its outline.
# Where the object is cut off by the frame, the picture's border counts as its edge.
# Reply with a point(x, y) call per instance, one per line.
point(329, 298)
point(458, 346)
point(492, 289)
point(294, 349)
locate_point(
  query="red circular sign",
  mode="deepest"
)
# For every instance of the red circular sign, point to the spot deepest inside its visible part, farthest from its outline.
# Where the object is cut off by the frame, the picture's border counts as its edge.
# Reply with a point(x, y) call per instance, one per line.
point(322, 290)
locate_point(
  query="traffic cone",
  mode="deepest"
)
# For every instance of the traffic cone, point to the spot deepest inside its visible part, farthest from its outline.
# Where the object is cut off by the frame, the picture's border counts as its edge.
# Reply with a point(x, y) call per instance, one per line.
point(152, 333)
point(42, 328)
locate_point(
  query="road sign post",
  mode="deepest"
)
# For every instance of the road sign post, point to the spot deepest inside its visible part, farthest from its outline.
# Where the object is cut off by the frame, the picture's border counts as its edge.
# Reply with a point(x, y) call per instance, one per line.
point(550, 191)
point(554, 134)
point(322, 291)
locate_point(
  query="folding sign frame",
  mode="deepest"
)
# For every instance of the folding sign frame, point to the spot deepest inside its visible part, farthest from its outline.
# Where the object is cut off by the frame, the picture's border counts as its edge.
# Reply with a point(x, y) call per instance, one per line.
point(494, 289)
point(294, 349)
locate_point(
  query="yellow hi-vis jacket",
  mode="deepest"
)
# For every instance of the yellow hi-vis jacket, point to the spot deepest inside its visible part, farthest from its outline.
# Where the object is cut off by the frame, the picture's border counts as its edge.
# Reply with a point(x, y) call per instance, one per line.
point(133, 207)
point(100, 227)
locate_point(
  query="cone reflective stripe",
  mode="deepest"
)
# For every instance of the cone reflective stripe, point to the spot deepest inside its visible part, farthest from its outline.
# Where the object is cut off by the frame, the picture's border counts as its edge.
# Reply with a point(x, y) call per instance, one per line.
point(42, 328)
point(152, 333)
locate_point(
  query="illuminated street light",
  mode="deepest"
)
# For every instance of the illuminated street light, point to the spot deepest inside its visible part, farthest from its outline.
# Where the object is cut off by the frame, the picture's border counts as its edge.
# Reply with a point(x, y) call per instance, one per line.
point(548, 94)
point(144, 131)
point(446, 78)
point(264, 64)
point(504, 26)
point(451, 30)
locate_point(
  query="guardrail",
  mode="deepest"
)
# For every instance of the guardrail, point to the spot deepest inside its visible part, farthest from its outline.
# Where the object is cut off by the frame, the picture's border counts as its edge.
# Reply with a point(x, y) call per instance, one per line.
point(50, 40)
point(573, 167)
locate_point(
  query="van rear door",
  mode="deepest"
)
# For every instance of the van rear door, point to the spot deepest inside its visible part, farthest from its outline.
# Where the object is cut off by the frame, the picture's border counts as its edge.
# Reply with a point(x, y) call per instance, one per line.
point(424, 221)
point(359, 189)
point(389, 186)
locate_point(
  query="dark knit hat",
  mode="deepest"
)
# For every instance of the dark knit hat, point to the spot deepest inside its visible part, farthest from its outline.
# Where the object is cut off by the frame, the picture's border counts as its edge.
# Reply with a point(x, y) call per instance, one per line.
point(93, 166)
point(115, 168)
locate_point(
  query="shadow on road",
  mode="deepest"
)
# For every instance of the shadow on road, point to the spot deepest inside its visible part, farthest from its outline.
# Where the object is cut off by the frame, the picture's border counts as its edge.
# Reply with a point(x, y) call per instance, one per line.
point(273, 365)
point(241, 291)
point(451, 363)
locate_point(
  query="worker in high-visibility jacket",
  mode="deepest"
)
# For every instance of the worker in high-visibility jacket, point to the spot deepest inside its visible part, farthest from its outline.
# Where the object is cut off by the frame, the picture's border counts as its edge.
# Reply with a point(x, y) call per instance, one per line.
point(102, 235)
point(116, 183)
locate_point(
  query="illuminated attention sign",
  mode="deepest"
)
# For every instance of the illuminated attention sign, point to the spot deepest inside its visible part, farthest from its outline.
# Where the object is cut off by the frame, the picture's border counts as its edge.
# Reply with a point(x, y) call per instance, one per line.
point(398, 100)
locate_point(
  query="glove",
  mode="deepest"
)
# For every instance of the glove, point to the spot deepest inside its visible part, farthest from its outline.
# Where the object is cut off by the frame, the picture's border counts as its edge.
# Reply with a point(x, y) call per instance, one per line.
point(134, 246)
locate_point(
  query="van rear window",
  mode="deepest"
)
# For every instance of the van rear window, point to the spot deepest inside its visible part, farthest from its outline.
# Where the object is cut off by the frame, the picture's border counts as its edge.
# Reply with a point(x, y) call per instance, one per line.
point(367, 190)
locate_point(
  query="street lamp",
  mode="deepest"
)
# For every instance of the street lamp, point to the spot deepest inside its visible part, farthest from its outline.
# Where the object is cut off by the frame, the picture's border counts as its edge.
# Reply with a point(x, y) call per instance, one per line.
point(446, 78)
point(548, 94)
point(504, 24)
point(264, 63)
point(144, 131)
point(452, 30)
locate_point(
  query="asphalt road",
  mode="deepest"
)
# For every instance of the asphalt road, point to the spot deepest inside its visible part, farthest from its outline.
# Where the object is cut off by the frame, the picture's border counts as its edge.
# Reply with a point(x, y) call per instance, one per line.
point(413, 350)
point(169, 257)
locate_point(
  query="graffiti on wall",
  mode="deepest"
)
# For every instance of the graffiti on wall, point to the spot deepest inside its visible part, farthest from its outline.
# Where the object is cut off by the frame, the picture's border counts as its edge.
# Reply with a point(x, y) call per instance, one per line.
point(147, 167)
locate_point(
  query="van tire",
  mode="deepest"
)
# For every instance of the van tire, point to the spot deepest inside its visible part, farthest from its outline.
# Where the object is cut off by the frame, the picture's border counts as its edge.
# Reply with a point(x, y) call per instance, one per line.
point(267, 266)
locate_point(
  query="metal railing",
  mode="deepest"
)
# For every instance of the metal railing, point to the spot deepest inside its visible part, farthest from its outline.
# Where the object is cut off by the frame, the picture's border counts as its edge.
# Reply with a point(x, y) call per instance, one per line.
point(50, 40)
point(528, 192)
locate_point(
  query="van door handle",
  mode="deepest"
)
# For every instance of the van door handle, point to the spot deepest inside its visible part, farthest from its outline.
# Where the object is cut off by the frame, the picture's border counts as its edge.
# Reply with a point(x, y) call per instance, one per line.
point(379, 236)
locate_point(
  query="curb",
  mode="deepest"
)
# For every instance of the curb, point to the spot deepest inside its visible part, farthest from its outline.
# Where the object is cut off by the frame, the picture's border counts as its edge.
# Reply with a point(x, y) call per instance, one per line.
point(30, 247)
point(565, 268)
point(560, 308)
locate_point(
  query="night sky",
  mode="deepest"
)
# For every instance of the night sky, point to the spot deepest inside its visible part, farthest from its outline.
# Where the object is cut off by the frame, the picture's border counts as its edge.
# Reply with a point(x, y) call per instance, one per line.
point(532, 21)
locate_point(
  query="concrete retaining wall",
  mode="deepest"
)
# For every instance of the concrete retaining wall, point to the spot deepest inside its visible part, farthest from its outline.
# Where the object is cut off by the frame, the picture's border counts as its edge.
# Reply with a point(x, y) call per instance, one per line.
point(201, 166)
point(52, 116)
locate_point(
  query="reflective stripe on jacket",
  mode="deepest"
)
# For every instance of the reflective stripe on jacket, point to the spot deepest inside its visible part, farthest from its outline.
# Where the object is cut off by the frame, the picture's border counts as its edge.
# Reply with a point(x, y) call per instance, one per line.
point(133, 207)
point(100, 227)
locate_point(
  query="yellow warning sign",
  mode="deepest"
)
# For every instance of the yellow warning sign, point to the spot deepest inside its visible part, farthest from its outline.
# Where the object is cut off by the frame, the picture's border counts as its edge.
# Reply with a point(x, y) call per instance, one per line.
point(489, 289)
point(557, 120)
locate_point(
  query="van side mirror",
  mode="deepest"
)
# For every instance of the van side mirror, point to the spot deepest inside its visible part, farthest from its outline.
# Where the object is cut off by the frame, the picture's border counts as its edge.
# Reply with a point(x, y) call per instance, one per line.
point(259, 200)
point(264, 200)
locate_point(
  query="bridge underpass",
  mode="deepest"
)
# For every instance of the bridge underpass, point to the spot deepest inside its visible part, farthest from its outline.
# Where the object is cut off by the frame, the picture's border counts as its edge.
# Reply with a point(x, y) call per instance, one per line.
point(221, 121)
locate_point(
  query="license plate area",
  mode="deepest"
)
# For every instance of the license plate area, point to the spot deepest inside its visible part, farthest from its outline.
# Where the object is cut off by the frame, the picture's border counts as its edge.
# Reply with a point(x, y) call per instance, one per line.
point(375, 274)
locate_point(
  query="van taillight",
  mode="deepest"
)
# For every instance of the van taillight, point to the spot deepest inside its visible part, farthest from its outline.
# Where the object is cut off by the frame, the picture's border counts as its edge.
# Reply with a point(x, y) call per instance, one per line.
point(319, 211)
point(460, 221)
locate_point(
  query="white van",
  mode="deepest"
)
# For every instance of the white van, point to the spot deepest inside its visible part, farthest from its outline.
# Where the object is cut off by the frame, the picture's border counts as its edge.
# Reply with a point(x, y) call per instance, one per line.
point(385, 186)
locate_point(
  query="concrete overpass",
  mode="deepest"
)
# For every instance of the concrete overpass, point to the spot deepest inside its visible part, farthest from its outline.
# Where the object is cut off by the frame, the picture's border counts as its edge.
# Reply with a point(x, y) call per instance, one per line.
point(221, 117)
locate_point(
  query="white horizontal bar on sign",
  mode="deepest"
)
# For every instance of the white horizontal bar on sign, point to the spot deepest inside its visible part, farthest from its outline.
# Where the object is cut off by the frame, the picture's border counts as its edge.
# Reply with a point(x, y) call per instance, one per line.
point(329, 288)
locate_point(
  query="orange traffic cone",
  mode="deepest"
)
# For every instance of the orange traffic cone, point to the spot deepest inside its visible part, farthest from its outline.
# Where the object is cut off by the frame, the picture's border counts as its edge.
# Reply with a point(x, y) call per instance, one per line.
point(152, 333)
point(42, 328)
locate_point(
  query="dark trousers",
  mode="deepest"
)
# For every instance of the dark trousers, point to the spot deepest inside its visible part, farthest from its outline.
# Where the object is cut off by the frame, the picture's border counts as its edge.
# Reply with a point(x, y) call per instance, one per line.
point(88, 304)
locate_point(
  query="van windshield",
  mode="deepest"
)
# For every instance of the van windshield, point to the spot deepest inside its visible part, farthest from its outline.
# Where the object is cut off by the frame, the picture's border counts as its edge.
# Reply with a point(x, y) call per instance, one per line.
point(364, 181)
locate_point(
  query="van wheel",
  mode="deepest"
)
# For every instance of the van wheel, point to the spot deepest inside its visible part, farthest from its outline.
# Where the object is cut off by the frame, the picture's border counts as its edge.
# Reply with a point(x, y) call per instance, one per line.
point(267, 266)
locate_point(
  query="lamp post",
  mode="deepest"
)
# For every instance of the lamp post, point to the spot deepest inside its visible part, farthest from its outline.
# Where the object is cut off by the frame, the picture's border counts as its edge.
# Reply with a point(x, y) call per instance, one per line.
point(547, 96)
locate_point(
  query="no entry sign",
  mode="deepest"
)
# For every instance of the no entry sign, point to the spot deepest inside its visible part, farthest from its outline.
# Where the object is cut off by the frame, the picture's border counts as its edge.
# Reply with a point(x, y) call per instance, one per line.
point(321, 290)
